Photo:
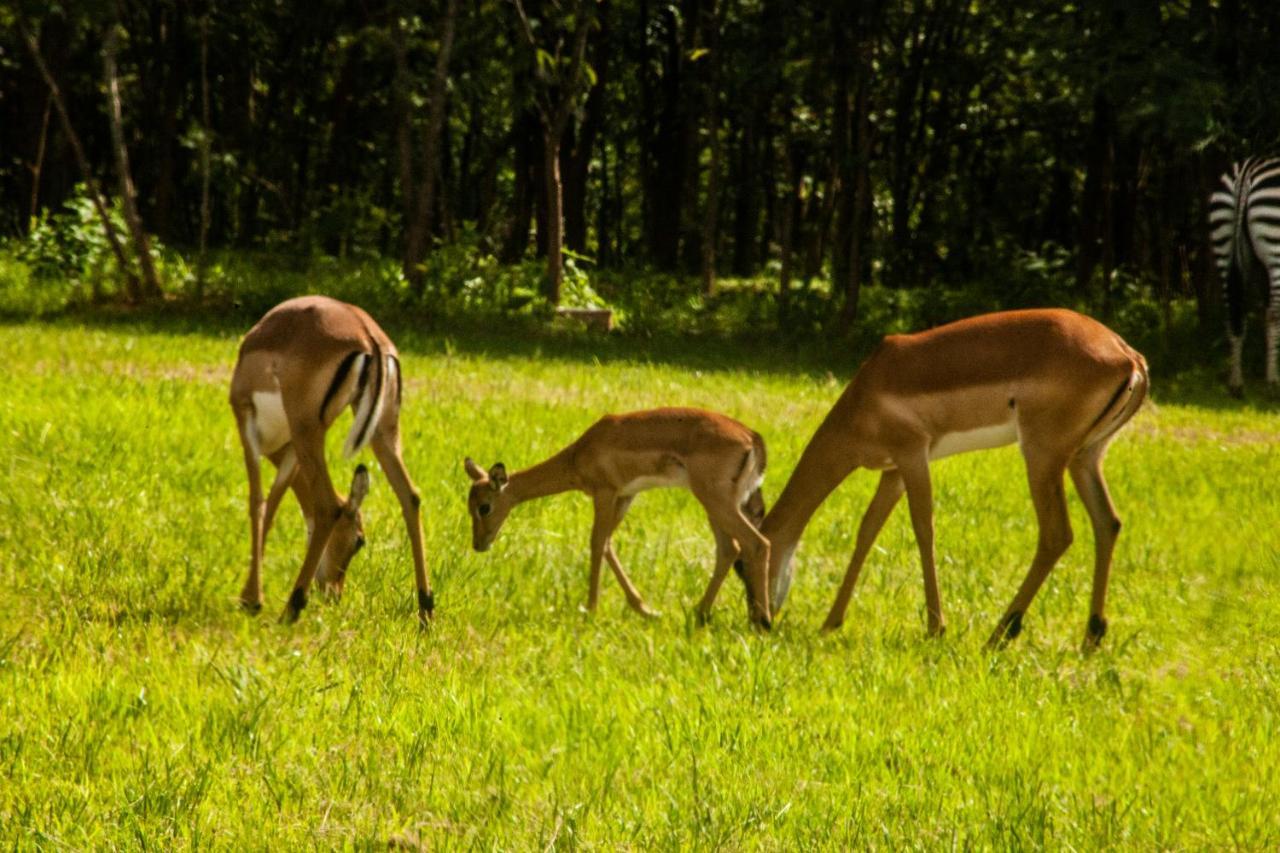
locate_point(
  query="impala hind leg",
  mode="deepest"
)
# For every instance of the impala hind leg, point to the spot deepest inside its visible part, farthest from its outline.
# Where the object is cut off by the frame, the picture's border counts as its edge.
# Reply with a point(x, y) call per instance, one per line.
point(386, 447)
point(1086, 473)
point(1044, 473)
point(727, 517)
point(887, 495)
point(914, 470)
point(251, 592)
point(308, 444)
point(726, 554)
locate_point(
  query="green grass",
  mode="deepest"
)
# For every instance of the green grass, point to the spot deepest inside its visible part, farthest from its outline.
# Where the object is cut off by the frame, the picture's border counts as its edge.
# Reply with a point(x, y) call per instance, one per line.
point(138, 705)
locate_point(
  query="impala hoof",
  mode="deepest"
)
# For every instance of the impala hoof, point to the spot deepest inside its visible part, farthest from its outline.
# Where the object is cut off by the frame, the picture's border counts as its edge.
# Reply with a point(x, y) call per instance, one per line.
point(1093, 636)
point(1008, 629)
point(253, 608)
point(297, 601)
point(830, 627)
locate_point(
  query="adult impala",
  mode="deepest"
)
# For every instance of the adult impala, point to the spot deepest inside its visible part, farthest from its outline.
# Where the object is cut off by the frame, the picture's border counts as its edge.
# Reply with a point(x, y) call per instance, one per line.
point(1057, 383)
point(304, 362)
point(718, 459)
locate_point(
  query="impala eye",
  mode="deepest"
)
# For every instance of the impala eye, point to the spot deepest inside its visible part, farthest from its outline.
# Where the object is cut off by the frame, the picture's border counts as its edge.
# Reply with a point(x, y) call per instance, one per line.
point(484, 510)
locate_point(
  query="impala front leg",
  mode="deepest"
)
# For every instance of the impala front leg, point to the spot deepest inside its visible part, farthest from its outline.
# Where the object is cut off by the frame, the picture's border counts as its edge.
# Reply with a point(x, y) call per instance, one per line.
point(726, 554)
point(601, 526)
point(886, 498)
point(914, 469)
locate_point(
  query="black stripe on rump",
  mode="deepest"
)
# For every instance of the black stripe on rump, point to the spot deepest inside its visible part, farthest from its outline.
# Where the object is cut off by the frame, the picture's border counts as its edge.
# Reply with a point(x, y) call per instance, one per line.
point(1124, 386)
point(399, 380)
point(339, 377)
point(379, 377)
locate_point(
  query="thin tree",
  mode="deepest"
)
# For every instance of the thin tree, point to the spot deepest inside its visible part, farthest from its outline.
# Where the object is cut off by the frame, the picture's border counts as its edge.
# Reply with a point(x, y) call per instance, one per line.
point(82, 161)
point(205, 143)
point(419, 183)
point(563, 78)
point(711, 216)
point(128, 195)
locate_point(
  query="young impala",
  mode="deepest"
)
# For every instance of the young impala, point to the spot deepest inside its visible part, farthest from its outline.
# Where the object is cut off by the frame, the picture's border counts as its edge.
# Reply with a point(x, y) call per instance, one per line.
point(718, 459)
point(304, 362)
point(1057, 383)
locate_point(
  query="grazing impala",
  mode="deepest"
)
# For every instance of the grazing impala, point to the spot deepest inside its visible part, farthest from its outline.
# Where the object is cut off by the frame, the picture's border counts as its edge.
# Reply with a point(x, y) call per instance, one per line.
point(1057, 383)
point(304, 362)
point(718, 459)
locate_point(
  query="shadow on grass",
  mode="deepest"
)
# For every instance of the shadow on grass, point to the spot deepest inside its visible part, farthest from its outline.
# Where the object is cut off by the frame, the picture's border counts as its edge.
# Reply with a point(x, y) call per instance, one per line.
point(761, 352)
point(509, 337)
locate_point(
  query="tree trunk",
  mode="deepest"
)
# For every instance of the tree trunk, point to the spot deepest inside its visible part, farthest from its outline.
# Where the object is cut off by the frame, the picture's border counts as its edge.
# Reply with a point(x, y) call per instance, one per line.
point(555, 213)
point(205, 144)
point(576, 156)
point(526, 135)
point(419, 185)
point(711, 214)
point(86, 172)
point(128, 196)
point(38, 165)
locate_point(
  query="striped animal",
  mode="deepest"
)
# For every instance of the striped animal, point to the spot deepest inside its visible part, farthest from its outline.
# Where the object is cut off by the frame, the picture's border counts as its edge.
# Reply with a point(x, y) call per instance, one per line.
point(1244, 219)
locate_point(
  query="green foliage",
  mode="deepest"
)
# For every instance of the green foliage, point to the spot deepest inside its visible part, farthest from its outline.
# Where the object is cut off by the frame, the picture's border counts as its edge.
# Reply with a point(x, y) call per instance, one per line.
point(72, 242)
point(140, 707)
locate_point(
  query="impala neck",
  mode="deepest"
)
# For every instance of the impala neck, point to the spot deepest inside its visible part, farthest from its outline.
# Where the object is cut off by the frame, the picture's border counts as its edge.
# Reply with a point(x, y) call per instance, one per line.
point(551, 477)
point(825, 464)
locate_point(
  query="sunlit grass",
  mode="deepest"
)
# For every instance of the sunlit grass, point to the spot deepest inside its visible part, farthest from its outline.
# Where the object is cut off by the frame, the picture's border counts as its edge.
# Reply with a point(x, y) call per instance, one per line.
point(140, 705)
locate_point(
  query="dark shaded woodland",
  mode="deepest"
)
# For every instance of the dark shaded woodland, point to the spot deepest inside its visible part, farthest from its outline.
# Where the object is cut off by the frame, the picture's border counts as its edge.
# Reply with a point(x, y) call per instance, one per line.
point(921, 144)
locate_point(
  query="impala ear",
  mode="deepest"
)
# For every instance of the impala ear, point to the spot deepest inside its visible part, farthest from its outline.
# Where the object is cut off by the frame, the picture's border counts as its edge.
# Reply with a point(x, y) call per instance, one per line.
point(359, 488)
point(498, 475)
point(474, 471)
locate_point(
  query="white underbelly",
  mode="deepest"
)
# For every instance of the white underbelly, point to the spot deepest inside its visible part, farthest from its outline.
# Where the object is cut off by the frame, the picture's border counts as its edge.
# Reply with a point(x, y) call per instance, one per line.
point(982, 438)
point(678, 478)
point(269, 421)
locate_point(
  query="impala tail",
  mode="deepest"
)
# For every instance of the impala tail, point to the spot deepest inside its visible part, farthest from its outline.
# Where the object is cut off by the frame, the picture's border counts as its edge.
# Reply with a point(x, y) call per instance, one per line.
point(370, 396)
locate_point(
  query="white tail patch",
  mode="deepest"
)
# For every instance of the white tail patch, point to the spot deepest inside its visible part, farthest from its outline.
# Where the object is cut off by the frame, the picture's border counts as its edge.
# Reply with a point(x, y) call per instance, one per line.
point(369, 409)
point(268, 427)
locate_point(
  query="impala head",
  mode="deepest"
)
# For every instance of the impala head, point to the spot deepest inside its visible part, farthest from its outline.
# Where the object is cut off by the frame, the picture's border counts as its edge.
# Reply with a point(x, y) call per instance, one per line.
point(488, 502)
point(347, 537)
point(780, 576)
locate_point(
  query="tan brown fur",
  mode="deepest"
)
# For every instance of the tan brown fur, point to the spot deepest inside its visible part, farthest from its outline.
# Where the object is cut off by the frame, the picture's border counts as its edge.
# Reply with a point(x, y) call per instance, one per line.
point(720, 460)
point(296, 351)
point(1064, 383)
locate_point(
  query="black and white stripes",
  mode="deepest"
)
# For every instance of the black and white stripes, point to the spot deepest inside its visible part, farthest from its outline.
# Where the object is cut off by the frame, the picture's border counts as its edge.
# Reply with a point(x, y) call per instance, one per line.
point(1244, 218)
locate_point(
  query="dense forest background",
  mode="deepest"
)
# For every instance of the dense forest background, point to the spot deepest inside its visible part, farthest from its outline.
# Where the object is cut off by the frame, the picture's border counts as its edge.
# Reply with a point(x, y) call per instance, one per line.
point(802, 152)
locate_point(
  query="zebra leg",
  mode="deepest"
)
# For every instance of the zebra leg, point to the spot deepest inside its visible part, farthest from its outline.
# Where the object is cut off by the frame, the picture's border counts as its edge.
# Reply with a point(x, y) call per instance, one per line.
point(1235, 299)
point(1273, 328)
point(1235, 383)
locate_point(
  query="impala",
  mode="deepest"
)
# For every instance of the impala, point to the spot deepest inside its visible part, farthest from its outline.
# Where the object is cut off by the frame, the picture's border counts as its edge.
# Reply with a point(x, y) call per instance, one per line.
point(1059, 384)
point(718, 459)
point(304, 362)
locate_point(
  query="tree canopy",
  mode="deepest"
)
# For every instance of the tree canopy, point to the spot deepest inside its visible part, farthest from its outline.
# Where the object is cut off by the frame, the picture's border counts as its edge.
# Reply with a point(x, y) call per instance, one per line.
point(916, 144)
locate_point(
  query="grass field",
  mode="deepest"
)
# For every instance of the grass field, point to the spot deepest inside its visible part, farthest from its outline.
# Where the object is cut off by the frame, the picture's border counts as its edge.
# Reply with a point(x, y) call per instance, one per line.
point(141, 707)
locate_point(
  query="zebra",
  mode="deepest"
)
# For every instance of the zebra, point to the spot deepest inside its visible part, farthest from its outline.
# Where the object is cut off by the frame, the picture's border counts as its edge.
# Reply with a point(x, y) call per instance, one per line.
point(1244, 221)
